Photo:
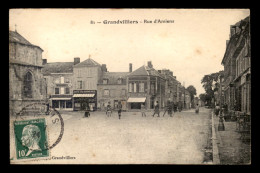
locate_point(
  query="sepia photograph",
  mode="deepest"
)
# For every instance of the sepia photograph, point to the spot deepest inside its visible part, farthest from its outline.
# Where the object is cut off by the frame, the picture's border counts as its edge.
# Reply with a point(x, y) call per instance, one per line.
point(130, 86)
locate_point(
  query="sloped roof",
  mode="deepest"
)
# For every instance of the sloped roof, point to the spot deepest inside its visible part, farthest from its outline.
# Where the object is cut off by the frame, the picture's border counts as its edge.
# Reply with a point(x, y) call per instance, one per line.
point(57, 67)
point(146, 71)
point(114, 76)
point(15, 37)
point(15, 61)
point(87, 62)
point(141, 71)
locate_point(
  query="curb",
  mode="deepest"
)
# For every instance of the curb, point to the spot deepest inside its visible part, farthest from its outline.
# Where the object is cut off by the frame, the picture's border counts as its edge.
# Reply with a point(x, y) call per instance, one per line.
point(215, 151)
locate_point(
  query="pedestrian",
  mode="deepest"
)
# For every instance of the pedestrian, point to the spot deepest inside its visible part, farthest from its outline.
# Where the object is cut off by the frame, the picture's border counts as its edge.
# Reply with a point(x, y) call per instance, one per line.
point(119, 110)
point(197, 108)
point(217, 109)
point(156, 109)
point(109, 110)
point(143, 110)
point(87, 113)
point(91, 108)
point(169, 109)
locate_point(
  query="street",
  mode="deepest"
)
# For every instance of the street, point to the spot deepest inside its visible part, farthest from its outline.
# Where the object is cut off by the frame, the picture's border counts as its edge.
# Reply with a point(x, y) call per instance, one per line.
point(180, 139)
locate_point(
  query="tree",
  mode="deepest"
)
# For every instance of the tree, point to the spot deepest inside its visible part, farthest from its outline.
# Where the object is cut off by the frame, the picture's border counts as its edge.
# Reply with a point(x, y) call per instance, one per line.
point(193, 92)
point(210, 84)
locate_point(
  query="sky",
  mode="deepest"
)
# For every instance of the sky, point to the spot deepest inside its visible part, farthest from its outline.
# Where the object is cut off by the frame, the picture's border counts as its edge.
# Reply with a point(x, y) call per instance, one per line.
point(192, 46)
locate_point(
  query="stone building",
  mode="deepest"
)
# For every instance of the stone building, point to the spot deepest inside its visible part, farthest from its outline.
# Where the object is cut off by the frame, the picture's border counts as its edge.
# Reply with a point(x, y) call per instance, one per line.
point(59, 78)
point(236, 62)
point(26, 82)
point(145, 85)
point(171, 86)
point(112, 89)
point(86, 75)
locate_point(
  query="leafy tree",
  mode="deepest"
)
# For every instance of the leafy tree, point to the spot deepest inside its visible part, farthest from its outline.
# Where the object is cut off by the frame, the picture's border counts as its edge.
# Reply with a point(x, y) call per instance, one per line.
point(193, 92)
point(210, 84)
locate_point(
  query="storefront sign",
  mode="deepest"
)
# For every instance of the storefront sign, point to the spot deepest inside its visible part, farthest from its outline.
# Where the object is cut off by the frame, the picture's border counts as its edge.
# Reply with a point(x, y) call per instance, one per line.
point(84, 92)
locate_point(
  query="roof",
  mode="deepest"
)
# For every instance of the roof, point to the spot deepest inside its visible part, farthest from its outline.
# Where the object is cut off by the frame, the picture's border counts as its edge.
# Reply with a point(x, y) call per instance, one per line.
point(146, 71)
point(114, 76)
point(57, 67)
point(15, 61)
point(15, 37)
point(87, 62)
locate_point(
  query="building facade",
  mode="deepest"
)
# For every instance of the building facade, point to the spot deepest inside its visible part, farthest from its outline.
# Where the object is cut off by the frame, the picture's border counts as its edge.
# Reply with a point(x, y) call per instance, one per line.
point(236, 62)
point(86, 75)
point(112, 89)
point(26, 82)
point(59, 78)
point(145, 86)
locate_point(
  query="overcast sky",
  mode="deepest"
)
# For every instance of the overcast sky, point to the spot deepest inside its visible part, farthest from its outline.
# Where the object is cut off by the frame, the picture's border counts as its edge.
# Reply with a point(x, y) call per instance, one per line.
point(191, 47)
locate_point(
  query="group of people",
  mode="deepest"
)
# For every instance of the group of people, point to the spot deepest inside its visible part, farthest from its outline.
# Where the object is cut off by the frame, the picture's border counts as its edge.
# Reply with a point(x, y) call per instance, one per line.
point(170, 109)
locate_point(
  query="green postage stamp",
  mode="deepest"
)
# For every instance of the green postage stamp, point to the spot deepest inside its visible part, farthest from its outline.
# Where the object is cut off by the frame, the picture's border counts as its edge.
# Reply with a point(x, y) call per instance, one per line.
point(31, 139)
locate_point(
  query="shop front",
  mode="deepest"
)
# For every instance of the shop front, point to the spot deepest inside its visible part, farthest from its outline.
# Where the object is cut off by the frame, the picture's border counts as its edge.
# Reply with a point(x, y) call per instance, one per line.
point(60, 102)
point(136, 102)
point(82, 98)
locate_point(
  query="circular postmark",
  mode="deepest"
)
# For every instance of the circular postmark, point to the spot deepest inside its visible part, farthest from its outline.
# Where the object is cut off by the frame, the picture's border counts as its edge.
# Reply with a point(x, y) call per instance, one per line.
point(30, 129)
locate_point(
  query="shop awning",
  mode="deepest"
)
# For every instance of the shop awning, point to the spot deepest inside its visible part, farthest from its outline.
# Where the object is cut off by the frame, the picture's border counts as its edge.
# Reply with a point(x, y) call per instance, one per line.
point(136, 100)
point(60, 98)
point(83, 95)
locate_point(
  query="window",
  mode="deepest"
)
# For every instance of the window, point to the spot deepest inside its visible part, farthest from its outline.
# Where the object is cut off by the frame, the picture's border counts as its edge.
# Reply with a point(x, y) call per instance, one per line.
point(67, 90)
point(28, 81)
point(61, 79)
point(130, 87)
point(79, 73)
point(106, 92)
point(57, 80)
point(79, 84)
point(119, 81)
point(105, 81)
point(57, 91)
point(141, 87)
point(135, 88)
point(62, 90)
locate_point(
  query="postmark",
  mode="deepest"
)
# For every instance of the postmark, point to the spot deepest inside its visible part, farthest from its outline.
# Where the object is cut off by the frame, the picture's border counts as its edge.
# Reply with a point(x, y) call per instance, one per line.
point(36, 130)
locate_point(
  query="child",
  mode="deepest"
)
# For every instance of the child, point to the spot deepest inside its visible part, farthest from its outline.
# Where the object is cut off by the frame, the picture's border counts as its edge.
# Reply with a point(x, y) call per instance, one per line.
point(109, 110)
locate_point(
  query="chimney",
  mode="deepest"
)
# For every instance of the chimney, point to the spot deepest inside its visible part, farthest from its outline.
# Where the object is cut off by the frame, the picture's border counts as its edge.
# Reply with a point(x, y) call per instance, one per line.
point(44, 61)
point(174, 77)
point(232, 30)
point(160, 71)
point(227, 41)
point(171, 73)
point(104, 67)
point(130, 67)
point(76, 60)
point(149, 64)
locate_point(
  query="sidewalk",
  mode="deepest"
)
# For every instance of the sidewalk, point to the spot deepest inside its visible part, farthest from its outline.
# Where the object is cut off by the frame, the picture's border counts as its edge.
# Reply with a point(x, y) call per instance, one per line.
point(231, 149)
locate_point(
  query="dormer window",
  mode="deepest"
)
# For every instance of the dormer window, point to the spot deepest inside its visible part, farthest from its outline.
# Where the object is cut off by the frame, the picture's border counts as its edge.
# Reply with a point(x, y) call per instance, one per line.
point(105, 81)
point(119, 81)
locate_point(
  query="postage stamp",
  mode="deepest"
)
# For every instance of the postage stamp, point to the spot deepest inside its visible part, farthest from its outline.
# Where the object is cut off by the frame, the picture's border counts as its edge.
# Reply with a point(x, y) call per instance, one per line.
point(31, 138)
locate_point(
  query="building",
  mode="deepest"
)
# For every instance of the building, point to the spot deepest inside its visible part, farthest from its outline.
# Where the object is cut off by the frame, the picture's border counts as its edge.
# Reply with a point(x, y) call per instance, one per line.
point(112, 89)
point(145, 85)
point(86, 75)
point(59, 78)
point(26, 82)
point(170, 85)
point(236, 62)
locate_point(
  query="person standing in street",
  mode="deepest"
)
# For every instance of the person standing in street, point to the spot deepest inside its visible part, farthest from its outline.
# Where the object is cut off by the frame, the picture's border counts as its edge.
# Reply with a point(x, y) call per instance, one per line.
point(87, 111)
point(197, 108)
point(156, 109)
point(119, 110)
point(169, 109)
point(109, 110)
point(143, 110)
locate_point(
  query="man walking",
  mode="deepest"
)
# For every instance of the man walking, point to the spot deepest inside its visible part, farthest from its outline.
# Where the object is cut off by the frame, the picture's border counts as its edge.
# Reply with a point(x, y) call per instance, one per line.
point(156, 109)
point(119, 110)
